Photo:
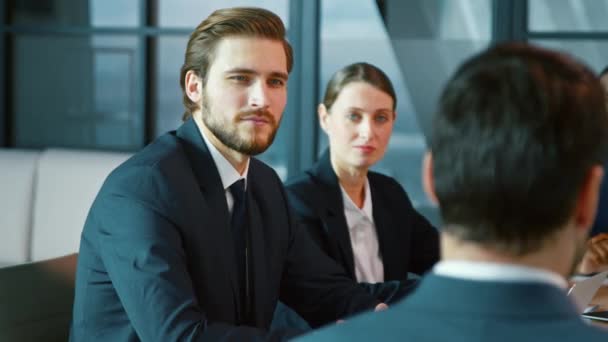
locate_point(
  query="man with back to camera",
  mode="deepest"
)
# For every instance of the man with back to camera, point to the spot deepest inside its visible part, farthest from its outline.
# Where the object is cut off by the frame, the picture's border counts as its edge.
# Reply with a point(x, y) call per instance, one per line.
point(191, 239)
point(596, 258)
point(515, 164)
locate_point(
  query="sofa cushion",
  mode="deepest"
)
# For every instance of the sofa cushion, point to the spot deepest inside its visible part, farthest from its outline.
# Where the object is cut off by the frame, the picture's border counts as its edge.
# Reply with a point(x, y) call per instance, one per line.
point(67, 183)
point(17, 168)
point(36, 300)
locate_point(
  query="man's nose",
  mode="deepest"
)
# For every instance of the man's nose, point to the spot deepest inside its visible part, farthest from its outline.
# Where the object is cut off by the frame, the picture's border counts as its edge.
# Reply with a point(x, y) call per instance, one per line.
point(258, 97)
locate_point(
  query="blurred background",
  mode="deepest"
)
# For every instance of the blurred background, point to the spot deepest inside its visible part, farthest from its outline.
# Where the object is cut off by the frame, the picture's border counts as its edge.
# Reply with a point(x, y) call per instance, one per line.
point(103, 74)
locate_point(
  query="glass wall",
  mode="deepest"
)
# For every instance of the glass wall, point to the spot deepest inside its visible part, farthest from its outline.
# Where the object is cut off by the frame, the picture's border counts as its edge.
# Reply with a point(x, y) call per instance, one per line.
point(104, 74)
point(567, 15)
point(577, 27)
point(418, 44)
point(71, 85)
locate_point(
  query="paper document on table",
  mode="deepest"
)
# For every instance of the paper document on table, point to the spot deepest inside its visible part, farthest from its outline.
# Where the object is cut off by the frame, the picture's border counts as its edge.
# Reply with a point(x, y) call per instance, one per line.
point(578, 277)
point(582, 292)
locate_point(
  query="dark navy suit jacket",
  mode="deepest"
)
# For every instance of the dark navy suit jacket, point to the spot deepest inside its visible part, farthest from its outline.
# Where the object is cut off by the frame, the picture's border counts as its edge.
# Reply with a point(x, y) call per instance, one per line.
point(601, 219)
point(157, 259)
point(455, 310)
point(407, 241)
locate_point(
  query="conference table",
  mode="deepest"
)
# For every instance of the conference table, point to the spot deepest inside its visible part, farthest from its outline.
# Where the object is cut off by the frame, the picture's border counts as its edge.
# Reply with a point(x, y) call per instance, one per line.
point(601, 299)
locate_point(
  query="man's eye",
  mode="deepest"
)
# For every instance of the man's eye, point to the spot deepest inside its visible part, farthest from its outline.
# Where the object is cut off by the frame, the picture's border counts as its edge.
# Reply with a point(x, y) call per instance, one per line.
point(277, 82)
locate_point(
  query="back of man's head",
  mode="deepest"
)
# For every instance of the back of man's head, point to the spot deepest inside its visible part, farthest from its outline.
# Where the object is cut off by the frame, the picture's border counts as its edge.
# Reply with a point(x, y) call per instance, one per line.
point(517, 132)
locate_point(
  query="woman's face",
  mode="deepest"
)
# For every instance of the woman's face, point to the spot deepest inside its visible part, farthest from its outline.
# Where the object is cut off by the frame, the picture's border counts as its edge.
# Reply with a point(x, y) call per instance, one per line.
point(359, 125)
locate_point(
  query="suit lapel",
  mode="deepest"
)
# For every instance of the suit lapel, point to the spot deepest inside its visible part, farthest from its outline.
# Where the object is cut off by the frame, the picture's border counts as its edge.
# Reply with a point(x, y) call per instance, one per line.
point(217, 238)
point(332, 212)
point(391, 258)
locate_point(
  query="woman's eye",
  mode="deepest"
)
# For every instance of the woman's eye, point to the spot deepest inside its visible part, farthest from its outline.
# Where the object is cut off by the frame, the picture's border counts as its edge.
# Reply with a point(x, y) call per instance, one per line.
point(239, 78)
point(381, 118)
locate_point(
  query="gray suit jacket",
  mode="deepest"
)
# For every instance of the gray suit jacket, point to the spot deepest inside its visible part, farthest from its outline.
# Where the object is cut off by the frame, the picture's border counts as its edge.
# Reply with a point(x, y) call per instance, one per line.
point(455, 310)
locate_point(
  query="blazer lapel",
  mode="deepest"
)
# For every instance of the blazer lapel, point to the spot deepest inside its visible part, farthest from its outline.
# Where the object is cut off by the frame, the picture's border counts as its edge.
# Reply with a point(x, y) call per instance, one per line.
point(332, 214)
point(385, 229)
point(217, 237)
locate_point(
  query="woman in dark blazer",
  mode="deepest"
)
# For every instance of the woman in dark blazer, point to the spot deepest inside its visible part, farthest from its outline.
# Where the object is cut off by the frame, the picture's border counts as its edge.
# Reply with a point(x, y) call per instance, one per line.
point(362, 219)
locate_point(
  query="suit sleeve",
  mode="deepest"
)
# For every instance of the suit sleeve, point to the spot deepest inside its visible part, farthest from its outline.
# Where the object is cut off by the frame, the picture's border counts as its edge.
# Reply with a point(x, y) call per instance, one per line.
point(314, 285)
point(141, 250)
point(390, 291)
point(387, 292)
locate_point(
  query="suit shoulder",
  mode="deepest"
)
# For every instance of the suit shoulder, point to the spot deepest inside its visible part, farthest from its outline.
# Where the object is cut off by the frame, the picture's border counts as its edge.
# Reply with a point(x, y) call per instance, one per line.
point(159, 153)
point(368, 326)
point(305, 195)
point(385, 180)
point(303, 187)
point(262, 171)
point(302, 184)
point(388, 184)
point(157, 160)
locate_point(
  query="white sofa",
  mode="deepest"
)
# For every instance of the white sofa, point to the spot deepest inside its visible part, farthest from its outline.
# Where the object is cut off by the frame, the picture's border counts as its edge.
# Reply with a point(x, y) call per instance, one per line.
point(44, 199)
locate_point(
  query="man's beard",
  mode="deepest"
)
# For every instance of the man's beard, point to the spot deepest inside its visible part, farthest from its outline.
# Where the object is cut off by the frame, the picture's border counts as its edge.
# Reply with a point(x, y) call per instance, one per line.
point(227, 132)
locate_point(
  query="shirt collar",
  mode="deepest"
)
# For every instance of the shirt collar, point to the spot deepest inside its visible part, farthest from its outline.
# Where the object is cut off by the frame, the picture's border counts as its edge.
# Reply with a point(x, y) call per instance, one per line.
point(349, 205)
point(490, 271)
point(228, 174)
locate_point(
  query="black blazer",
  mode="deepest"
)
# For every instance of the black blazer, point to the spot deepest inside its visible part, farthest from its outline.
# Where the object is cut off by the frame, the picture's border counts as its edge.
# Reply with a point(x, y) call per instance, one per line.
point(407, 241)
point(157, 257)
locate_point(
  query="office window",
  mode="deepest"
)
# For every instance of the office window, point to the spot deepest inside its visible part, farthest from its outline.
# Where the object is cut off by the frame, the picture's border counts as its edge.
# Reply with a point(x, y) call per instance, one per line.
point(552, 23)
point(567, 15)
point(418, 44)
point(69, 13)
point(106, 71)
point(188, 13)
point(76, 91)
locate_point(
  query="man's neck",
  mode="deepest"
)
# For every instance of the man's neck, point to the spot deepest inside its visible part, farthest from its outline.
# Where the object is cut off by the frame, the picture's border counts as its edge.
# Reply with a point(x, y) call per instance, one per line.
point(237, 159)
point(554, 256)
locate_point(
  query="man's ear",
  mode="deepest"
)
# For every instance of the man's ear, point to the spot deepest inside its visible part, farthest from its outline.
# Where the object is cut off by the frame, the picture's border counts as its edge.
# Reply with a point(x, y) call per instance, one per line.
point(588, 197)
point(193, 86)
point(323, 116)
point(428, 182)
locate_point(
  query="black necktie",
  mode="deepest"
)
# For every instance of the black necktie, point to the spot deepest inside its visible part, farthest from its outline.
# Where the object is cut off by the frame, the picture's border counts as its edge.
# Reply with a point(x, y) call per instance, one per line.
point(238, 224)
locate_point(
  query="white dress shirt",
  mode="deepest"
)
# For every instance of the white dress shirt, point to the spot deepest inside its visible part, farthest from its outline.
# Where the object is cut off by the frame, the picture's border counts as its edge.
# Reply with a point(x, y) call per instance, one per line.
point(363, 238)
point(228, 174)
point(491, 271)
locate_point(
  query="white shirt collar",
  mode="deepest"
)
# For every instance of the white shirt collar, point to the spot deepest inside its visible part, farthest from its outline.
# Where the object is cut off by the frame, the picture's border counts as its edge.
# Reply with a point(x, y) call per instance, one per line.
point(490, 271)
point(367, 209)
point(363, 238)
point(228, 174)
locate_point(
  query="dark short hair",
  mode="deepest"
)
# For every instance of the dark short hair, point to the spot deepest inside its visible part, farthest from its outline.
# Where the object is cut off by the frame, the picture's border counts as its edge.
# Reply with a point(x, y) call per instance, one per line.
point(223, 23)
point(357, 72)
point(517, 130)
